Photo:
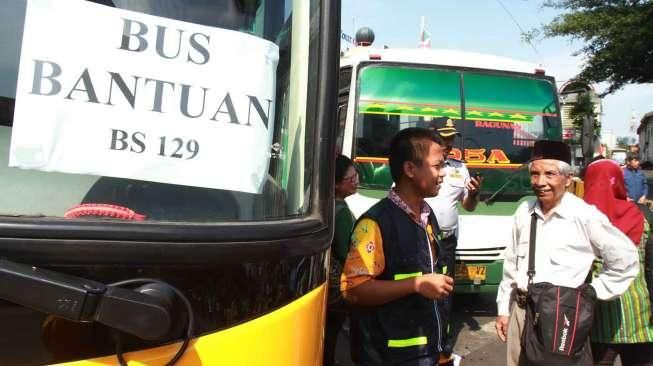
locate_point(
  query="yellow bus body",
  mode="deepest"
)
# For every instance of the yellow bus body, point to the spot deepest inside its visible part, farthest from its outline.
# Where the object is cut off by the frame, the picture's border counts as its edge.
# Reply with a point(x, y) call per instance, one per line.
point(290, 335)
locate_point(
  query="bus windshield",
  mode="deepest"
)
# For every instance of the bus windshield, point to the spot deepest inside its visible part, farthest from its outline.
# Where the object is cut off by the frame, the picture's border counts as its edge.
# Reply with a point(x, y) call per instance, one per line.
point(499, 115)
point(199, 116)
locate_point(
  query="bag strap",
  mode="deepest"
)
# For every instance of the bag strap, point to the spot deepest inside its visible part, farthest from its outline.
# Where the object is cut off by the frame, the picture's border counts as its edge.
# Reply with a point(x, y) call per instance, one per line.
point(531, 249)
point(531, 253)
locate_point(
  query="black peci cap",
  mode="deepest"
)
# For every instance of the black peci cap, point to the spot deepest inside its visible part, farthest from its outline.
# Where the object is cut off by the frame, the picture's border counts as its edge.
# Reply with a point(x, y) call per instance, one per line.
point(555, 150)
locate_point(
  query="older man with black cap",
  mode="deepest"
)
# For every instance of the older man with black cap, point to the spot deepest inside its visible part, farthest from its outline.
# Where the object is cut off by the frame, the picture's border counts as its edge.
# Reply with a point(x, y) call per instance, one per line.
point(570, 234)
point(457, 187)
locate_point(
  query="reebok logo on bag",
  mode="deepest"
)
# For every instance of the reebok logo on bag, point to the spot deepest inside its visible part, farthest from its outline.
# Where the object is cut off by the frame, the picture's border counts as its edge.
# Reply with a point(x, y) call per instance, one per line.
point(558, 320)
point(563, 337)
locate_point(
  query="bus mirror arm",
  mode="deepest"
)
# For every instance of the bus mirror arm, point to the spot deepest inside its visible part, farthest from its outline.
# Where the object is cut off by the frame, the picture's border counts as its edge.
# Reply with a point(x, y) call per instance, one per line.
point(490, 200)
point(146, 314)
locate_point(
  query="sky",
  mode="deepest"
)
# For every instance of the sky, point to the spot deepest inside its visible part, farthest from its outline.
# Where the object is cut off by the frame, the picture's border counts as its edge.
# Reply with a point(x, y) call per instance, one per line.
point(485, 26)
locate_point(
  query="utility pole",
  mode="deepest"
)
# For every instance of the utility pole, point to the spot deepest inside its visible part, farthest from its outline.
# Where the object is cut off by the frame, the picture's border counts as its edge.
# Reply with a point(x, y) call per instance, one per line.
point(587, 139)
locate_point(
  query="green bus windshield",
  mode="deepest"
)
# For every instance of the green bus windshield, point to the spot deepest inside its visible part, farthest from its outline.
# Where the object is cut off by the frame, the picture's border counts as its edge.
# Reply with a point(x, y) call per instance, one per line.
point(500, 116)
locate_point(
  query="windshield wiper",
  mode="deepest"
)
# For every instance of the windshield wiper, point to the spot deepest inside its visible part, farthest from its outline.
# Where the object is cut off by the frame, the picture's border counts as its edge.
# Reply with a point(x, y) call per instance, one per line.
point(32, 216)
point(490, 200)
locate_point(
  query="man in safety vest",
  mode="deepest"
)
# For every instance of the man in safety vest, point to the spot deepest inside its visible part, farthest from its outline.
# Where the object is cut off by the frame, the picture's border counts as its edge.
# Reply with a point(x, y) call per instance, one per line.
point(392, 272)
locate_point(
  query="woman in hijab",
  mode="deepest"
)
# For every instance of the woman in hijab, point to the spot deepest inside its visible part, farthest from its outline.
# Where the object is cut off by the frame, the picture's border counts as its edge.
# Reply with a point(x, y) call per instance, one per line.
point(623, 326)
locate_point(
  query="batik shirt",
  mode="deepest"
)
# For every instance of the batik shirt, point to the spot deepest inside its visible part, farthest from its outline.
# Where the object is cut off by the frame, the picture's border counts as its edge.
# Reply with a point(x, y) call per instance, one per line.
point(365, 259)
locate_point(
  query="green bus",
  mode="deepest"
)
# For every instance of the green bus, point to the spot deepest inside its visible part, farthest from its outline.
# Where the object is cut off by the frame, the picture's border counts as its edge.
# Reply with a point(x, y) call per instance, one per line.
point(501, 106)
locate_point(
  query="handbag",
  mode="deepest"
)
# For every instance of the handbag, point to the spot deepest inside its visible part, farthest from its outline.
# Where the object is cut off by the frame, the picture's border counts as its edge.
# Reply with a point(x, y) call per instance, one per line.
point(558, 319)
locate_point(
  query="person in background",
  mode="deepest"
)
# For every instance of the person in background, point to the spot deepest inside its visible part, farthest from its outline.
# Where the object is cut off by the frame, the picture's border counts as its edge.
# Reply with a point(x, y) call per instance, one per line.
point(634, 148)
point(570, 234)
point(346, 178)
point(635, 179)
point(622, 326)
point(391, 271)
point(457, 187)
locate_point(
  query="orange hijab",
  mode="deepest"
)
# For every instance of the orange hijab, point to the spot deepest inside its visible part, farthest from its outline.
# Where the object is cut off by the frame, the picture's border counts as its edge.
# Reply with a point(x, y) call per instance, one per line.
point(605, 189)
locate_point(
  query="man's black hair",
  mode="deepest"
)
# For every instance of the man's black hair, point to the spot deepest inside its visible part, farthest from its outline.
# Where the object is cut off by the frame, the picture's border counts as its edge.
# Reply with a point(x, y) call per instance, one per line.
point(632, 156)
point(410, 144)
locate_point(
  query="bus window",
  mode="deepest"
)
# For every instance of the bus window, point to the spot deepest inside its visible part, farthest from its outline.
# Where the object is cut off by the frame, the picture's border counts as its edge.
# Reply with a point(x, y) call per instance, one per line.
point(52, 192)
point(504, 116)
point(392, 98)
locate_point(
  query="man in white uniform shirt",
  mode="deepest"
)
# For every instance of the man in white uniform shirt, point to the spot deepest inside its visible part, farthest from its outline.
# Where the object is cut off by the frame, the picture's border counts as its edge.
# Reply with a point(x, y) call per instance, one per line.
point(457, 186)
point(570, 234)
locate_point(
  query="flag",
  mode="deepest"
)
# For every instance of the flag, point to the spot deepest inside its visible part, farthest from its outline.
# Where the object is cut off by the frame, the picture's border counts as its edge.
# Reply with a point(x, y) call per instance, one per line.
point(424, 37)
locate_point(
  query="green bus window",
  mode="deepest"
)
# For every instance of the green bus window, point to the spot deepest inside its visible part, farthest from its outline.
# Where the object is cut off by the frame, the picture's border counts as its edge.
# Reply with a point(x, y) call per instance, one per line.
point(387, 90)
point(491, 97)
point(504, 116)
point(392, 98)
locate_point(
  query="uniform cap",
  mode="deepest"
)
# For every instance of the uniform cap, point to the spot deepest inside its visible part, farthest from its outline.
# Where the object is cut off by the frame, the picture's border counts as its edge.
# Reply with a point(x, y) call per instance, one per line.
point(448, 129)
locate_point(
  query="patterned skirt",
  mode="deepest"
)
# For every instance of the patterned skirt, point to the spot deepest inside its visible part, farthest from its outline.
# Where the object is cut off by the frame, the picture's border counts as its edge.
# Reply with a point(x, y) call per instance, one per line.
point(626, 319)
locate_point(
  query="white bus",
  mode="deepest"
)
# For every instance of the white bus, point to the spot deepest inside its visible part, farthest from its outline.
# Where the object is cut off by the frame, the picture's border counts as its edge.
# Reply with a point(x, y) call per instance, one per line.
point(501, 106)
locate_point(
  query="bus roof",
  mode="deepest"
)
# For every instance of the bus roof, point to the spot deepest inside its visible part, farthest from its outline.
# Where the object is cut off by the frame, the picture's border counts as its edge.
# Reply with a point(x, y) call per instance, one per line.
point(440, 57)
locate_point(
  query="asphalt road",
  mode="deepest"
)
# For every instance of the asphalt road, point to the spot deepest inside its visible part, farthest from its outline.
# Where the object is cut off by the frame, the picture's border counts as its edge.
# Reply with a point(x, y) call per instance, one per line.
point(476, 340)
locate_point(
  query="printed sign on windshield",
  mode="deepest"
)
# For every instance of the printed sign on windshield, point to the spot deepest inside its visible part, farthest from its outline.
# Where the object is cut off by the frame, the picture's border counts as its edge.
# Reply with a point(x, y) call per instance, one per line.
point(111, 92)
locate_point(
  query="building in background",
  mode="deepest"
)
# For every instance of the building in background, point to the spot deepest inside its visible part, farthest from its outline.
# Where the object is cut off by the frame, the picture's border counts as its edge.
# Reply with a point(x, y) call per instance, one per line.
point(609, 139)
point(645, 134)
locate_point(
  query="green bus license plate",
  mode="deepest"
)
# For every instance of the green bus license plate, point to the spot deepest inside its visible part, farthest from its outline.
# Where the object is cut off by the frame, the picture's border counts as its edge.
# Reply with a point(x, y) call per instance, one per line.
point(470, 272)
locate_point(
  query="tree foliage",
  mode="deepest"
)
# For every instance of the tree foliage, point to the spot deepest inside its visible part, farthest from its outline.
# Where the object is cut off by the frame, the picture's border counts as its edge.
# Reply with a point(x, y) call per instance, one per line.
point(618, 38)
point(624, 141)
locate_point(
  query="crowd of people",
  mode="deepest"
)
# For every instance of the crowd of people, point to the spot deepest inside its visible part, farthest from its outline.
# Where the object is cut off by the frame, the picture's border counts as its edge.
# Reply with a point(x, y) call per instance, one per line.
point(392, 268)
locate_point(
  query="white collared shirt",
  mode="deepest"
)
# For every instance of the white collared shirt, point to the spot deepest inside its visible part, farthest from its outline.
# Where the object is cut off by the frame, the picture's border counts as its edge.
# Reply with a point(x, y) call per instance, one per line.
point(568, 241)
point(452, 191)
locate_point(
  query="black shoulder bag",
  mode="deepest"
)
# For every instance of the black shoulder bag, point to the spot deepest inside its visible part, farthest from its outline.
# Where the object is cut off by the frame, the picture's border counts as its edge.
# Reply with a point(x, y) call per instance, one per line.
point(558, 319)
